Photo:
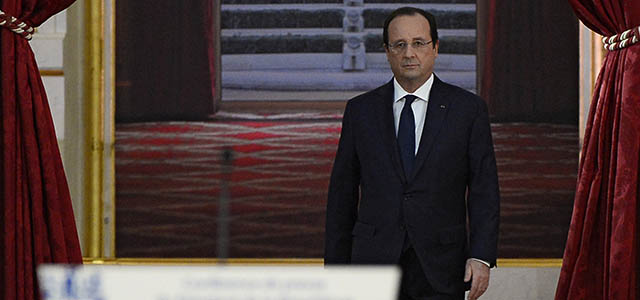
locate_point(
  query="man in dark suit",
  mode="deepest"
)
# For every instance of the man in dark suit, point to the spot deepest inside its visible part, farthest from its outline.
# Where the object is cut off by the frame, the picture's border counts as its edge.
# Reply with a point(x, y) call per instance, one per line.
point(414, 172)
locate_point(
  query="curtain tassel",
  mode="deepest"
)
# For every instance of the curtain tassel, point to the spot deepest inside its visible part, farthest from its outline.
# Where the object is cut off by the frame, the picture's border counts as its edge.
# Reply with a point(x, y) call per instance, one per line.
point(625, 39)
point(15, 25)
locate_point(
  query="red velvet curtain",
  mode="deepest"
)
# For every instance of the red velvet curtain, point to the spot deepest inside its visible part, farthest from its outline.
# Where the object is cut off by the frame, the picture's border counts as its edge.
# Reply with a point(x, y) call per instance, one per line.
point(601, 256)
point(35, 213)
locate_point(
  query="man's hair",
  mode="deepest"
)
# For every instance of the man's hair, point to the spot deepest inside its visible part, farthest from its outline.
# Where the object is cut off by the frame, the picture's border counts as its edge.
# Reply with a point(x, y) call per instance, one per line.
point(410, 11)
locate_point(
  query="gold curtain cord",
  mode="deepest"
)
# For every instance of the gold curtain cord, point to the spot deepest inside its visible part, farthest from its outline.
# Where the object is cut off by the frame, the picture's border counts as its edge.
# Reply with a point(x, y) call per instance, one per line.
point(15, 25)
point(625, 39)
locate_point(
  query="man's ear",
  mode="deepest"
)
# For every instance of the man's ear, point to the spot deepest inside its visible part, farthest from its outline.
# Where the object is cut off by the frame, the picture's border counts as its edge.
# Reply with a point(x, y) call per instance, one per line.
point(386, 51)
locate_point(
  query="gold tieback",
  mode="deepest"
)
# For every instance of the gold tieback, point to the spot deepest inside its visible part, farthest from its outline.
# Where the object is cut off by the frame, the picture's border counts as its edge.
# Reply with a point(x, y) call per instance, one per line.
point(15, 25)
point(625, 39)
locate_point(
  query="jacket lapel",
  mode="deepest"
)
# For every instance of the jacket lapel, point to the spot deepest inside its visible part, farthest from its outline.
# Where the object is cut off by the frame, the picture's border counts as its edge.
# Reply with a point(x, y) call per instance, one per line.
point(384, 112)
point(436, 113)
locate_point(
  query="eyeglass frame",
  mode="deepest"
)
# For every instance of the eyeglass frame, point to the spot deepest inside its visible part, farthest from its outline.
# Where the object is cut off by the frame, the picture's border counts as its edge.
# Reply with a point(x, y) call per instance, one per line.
point(415, 45)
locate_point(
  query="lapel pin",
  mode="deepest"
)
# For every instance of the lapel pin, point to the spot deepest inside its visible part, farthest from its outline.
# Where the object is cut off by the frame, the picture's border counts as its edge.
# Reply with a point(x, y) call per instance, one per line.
point(442, 106)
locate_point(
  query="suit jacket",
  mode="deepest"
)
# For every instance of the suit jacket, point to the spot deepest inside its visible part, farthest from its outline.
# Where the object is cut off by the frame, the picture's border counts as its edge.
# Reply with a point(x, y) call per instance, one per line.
point(372, 204)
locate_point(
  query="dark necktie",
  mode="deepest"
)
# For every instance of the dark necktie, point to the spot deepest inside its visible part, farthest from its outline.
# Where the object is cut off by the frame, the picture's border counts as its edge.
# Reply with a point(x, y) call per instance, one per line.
point(407, 135)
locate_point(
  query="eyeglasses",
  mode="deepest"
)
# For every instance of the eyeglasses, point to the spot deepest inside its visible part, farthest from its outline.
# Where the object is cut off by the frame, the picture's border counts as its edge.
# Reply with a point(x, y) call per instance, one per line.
point(401, 46)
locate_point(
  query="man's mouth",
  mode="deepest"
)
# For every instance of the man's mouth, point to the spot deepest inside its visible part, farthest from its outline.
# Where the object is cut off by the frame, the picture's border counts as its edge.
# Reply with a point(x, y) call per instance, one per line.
point(410, 66)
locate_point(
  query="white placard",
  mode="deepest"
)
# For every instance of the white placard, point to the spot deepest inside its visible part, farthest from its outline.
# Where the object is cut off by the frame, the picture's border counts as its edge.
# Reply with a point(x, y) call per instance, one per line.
point(100, 282)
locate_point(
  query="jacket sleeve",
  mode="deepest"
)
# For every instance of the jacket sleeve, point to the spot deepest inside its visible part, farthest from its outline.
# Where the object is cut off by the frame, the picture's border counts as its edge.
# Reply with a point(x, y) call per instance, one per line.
point(342, 202)
point(483, 201)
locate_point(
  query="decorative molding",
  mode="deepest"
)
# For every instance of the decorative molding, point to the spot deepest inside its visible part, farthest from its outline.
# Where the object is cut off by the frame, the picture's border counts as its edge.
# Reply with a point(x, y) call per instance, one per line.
point(94, 122)
point(590, 61)
point(204, 261)
point(54, 72)
point(502, 262)
point(109, 159)
point(529, 262)
point(49, 36)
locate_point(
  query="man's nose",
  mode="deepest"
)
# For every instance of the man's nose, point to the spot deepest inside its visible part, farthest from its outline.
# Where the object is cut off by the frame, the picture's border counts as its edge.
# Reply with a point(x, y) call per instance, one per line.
point(409, 52)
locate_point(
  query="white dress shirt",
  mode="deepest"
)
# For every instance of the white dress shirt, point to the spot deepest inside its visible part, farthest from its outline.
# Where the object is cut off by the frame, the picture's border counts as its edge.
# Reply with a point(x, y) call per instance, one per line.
point(419, 106)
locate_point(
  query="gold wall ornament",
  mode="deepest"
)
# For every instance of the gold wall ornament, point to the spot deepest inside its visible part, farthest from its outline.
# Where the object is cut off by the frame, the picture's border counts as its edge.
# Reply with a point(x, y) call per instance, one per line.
point(94, 122)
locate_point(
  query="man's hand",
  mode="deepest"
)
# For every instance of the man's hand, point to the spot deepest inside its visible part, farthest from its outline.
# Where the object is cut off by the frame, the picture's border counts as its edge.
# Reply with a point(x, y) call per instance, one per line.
point(478, 273)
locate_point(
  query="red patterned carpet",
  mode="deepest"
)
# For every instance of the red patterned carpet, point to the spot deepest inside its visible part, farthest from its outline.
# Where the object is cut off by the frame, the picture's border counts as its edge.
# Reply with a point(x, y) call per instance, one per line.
point(169, 178)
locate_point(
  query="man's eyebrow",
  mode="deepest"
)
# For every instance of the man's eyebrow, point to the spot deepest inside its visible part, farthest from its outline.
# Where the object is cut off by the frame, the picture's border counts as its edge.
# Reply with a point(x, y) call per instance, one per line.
point(413, 39)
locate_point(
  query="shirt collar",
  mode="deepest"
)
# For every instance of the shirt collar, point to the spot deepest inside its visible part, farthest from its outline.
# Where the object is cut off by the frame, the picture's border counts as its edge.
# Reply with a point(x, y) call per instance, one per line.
point(422, 92)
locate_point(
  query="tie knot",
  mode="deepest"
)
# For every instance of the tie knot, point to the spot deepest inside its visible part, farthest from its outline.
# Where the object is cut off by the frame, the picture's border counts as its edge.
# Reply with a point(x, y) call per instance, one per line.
point(409, 99)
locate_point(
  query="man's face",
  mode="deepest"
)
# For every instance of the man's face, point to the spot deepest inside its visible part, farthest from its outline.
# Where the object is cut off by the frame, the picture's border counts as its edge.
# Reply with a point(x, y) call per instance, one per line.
point(411, 66)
